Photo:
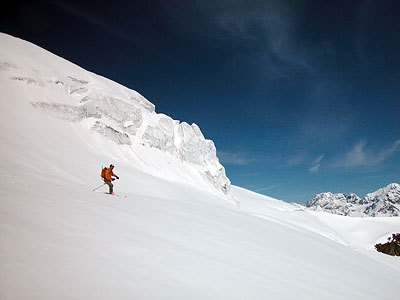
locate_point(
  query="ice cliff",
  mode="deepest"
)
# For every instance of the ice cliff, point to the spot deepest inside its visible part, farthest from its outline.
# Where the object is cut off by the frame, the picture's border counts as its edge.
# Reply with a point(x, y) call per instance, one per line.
point(122, 116)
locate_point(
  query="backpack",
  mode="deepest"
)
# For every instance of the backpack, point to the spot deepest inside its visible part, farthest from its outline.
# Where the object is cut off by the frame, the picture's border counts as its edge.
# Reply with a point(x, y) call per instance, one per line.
point(103, 172)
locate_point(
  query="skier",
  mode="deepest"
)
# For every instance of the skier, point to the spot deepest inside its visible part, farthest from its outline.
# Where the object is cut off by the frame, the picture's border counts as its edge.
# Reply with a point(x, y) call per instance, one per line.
point(108, 174)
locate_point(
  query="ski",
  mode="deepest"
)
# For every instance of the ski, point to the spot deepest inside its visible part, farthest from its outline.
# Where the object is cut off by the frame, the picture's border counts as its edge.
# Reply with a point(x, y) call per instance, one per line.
point(107, 193)
point(118, 195)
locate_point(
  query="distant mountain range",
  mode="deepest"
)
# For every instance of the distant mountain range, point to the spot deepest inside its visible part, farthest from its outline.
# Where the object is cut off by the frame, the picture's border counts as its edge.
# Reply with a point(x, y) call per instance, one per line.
point(384, 202)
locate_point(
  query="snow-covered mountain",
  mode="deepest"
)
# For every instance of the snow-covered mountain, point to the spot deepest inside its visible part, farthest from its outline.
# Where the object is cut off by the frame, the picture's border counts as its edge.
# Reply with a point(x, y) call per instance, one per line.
point(120, 114)
point(384, 202)
point(175, 235)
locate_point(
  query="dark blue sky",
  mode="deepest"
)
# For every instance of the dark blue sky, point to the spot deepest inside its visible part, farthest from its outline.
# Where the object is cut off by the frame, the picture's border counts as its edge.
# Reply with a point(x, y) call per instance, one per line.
point(299, 98)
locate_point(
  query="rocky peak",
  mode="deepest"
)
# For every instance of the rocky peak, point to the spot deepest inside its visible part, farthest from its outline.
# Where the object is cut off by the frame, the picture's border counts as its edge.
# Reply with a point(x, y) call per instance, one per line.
point(384, 202)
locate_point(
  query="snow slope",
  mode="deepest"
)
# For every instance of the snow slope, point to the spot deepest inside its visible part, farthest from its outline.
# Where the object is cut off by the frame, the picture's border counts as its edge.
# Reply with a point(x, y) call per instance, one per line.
point(62, 90)
point(173, 236)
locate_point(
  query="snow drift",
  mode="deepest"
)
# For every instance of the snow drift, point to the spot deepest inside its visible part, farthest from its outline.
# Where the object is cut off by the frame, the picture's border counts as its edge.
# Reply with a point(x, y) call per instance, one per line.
point(177, 235)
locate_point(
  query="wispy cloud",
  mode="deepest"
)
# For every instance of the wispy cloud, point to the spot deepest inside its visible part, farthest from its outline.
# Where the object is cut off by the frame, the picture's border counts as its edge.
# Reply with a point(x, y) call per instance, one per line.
point(317, 164)
point(241, 158)
point(315, 168)
point(264, 29)
point(229, 158)
point(269, 24)
point(264, 189)
point(360, 155)
point(106, 24)
point(295, 160)
point(83, 15)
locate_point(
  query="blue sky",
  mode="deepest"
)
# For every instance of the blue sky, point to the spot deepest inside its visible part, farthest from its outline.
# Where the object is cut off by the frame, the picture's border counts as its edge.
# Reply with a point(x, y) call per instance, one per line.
point(298, 98)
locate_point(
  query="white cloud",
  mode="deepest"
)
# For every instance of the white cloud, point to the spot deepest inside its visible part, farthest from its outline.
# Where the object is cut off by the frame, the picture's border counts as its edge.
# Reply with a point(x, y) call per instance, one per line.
point(316, 164)
point(98, 20)
point(318, 160)
point(264, 29)
point(264, 189)
point(295, 160)
point(359, 155)
point(229, 158)
point(272, 24)
point(315, 168)
point(387, 153)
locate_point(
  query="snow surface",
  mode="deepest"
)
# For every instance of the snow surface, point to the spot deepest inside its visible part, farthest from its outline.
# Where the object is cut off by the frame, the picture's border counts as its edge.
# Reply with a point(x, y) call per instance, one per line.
point(173, 236)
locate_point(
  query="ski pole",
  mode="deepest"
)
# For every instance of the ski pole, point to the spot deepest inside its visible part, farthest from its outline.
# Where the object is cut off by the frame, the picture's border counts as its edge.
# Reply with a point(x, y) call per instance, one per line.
point(99, 187)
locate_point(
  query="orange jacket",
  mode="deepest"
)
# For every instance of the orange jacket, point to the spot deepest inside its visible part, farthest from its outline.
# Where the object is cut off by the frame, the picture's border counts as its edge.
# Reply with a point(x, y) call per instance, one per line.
point(108, 174)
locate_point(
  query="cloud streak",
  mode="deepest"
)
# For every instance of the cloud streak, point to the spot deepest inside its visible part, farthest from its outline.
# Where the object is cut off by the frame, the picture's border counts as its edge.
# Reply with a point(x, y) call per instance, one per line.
point(242, 158)
point(229, 158)
point(264, 29)
point(268, 24)
point(264, 189)
point(359, 155)
point(317, 164)
point(104, 21)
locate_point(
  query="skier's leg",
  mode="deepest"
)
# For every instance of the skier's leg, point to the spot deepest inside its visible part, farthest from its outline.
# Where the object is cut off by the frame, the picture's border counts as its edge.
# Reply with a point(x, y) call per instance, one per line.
point(110, 186)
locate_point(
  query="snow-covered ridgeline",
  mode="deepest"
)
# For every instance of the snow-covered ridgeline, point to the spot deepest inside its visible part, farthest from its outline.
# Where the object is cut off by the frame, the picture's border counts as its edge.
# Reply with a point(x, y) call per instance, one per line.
point(65, 91)
point(384, 202)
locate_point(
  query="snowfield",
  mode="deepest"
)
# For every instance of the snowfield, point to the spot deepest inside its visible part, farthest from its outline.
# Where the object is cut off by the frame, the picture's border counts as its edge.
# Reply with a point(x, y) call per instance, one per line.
point(170, 234)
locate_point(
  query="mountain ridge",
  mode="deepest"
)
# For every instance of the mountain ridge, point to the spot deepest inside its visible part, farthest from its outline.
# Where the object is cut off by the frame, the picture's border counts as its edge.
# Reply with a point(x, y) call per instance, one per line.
point(384, 202)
